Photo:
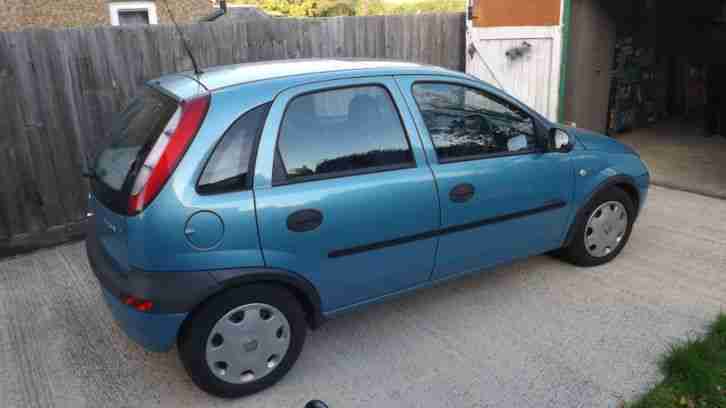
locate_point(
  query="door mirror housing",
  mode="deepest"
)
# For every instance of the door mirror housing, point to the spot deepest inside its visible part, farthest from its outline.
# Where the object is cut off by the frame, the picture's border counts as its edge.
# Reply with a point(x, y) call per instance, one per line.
point(561, 141)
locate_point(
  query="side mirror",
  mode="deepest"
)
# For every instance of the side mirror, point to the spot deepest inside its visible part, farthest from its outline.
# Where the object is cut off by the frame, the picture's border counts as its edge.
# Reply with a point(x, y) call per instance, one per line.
point(561, 141)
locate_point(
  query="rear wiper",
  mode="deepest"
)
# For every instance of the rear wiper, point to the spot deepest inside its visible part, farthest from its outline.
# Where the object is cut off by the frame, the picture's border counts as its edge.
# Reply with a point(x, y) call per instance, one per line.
point(88, 171)
point(89, 174)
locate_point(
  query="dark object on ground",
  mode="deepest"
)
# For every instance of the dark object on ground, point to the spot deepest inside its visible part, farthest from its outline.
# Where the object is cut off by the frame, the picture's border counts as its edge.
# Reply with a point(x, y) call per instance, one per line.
point(316, 404)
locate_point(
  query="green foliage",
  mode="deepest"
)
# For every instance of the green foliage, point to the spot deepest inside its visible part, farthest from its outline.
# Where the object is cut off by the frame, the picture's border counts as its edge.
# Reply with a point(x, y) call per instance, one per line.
point(425, 6)
point(695, 373)
point(329, 8)
point(304, 8)
point(370, 7)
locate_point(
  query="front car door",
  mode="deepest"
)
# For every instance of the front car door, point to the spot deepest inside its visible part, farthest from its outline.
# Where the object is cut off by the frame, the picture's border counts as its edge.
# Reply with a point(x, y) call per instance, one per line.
point(341, 178)
point(503, 195)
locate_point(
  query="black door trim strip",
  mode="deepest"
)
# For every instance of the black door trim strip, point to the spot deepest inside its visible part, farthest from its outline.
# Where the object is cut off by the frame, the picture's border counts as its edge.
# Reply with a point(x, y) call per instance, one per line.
point(554, 205)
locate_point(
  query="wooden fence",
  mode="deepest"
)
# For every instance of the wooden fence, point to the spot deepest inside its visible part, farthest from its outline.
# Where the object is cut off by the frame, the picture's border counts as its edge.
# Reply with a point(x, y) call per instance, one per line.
point(58, 90)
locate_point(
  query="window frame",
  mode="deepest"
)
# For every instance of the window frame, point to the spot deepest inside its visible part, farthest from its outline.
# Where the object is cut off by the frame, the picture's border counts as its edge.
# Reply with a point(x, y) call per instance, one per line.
point(249, 182)
point(148, 6)
point(348, 173)
point(538, 148)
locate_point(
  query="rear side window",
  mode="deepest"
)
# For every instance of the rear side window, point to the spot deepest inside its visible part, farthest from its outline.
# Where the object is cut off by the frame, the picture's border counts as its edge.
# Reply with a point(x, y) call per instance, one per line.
point(230, 168)
point(466, 123)
point(340, 132)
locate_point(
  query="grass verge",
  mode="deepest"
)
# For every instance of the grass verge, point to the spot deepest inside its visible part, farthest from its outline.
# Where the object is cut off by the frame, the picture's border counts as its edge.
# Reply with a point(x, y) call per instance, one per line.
point(695, 373)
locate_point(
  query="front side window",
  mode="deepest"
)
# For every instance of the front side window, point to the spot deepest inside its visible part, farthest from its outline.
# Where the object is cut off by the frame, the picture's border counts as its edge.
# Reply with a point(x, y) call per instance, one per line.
point(340, 132)
point(230, 166)
point(466, 123)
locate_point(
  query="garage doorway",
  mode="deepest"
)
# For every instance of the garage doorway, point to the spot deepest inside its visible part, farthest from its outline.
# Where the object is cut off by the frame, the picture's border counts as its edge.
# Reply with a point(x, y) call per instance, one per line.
point(653, 75)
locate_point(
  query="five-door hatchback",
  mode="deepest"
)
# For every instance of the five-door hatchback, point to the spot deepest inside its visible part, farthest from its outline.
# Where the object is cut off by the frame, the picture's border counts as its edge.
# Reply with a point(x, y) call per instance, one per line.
point(235, 208)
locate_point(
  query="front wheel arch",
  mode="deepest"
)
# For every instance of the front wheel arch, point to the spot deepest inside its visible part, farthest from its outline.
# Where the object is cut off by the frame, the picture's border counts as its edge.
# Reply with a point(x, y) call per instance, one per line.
point(623, 182)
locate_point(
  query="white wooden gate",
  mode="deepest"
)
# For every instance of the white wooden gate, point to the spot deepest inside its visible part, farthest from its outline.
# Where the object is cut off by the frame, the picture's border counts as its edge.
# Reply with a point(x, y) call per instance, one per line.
point(533, 77)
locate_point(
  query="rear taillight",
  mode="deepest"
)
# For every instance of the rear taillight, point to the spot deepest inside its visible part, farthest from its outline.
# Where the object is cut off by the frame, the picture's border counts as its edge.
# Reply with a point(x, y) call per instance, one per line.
point(139, 304)
point(166, 153)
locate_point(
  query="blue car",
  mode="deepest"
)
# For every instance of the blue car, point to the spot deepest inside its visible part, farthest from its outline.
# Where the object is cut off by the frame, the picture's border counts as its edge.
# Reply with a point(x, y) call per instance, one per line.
point(234, 209)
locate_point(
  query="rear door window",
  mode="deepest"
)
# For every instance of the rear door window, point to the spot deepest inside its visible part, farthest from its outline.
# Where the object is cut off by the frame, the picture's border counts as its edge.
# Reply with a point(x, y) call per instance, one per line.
point(230, 168)
point(340, 132)
point(133, 133)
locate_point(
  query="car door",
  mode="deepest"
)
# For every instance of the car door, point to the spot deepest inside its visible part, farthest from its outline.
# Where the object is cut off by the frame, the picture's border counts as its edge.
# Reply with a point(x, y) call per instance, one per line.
point(502, 194)
point(342, 186)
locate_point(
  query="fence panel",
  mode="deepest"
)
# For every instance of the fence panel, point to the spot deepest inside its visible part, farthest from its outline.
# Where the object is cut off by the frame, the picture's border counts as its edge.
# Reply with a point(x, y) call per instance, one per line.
point(59, 90)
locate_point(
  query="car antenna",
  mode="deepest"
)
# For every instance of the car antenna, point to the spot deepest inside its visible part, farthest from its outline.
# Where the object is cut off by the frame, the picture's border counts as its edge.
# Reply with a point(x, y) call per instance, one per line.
point(197, 71)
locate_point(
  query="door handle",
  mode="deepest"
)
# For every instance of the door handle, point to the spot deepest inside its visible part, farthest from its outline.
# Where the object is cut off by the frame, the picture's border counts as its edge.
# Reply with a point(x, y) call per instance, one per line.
point(461, 193)
point(304, 220)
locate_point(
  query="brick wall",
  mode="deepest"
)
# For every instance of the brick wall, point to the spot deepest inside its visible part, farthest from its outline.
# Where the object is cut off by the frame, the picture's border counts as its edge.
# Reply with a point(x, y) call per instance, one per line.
point(22, 14)
point(11, 15)
point(184, 10)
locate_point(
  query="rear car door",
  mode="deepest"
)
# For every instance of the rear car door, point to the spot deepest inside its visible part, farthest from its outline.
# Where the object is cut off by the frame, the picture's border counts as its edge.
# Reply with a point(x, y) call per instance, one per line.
point(503, 195)
point(343, 192)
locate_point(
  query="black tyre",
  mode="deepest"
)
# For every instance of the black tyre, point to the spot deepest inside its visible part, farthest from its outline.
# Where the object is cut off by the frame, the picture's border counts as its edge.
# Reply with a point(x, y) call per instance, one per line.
point(602, 230)
point(243, 340)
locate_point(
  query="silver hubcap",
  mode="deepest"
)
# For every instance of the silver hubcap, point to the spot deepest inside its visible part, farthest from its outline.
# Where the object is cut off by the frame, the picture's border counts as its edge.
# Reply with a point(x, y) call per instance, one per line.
point(606, 229)
point(248, 343)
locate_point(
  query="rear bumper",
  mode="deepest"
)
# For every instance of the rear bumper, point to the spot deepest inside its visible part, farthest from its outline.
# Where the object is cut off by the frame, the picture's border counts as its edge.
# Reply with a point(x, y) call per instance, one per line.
point(153, 331)
point(174, 295)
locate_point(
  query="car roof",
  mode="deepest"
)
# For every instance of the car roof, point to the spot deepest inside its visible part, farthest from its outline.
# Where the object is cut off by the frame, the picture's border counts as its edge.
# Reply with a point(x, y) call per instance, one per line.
point(218, 77)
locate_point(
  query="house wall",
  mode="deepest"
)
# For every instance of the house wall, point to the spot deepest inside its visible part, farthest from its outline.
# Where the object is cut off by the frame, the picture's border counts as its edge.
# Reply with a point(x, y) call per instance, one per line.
point(21, 14)
point(590, 56)
point(11, 15)
point(515, 13)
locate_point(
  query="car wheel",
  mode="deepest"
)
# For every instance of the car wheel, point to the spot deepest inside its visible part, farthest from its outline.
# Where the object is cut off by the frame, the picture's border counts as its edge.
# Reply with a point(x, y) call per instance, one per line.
point(243, 340)
point(602, 230)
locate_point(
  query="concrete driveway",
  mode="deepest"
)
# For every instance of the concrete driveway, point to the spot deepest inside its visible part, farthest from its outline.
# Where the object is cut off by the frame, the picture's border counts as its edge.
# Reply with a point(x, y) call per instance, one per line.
point(680, 156)
point(538, 333)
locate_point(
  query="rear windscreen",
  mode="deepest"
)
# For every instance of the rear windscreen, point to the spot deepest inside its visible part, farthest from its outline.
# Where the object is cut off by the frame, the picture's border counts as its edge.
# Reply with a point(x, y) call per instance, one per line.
point(133, 133)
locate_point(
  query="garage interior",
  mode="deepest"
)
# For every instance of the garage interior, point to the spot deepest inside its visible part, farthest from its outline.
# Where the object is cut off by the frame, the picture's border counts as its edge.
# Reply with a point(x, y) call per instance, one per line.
point(653, 75)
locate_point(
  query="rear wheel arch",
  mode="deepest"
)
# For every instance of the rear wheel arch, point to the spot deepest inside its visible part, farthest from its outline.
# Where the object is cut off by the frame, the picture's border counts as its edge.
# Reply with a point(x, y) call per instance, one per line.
point(229, 279)
point(214, 325)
